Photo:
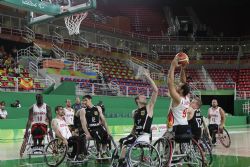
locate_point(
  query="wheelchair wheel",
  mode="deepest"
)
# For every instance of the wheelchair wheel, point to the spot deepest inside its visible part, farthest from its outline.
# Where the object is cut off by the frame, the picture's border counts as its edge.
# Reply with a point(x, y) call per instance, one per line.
point(55, 152)
point(224, 138)
point(143, 154)
point(207, 150)
point(164, 148)
point(114, 158)
point(195, 155)
point(205, 138)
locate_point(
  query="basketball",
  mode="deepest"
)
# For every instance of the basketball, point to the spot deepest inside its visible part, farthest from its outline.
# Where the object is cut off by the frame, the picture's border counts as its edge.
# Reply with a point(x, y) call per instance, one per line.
point(182, 59)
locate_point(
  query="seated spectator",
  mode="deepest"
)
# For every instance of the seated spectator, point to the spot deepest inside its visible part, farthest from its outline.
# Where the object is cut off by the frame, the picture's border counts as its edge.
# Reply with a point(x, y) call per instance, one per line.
point(16, 104)
point(8, 61)
point(3, 112)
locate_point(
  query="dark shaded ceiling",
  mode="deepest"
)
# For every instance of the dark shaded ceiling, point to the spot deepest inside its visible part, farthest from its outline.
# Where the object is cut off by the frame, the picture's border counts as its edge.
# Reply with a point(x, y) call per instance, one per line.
point(228, 16)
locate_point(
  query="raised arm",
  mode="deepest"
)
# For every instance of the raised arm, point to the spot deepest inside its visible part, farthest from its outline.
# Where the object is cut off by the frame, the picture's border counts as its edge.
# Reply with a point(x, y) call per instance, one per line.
point(102, 117)
point(154, 93)
point(171, 86)
point(84, 123)
point(183, 75)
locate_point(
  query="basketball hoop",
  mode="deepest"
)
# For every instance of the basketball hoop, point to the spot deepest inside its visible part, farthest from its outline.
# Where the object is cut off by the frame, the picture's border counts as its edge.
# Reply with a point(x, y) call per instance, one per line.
point(74, 21)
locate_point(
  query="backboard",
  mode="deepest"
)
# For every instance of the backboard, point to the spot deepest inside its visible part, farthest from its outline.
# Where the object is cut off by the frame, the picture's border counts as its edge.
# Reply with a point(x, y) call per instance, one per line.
point(46, 10)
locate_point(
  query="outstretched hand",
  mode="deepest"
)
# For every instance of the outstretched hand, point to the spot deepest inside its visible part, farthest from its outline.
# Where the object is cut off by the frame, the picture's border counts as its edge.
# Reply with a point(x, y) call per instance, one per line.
point(174, 62)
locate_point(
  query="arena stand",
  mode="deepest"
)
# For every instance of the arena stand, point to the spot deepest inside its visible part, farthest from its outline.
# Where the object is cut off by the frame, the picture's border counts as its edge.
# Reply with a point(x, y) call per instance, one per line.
point(17, 77)
point(211, 57)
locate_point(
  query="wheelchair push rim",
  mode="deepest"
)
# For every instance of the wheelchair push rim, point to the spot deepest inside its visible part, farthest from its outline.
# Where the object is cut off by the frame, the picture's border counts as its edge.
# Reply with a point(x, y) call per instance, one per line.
point(224, 138)
point(194, 154)
point(164, 148)
point(55, 152)
point(143, 154)
point(207, 151)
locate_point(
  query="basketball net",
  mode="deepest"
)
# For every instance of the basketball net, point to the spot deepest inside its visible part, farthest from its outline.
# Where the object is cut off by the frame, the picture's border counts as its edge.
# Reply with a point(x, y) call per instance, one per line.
point(74, 21)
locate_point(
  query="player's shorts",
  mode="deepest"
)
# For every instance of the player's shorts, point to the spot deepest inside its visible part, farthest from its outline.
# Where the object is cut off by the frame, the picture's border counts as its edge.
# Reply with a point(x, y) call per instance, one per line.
point(213, 128)
point(79, 145)
point(130, 139)
point(38, 130)
point(99, 134)
point(182, 133)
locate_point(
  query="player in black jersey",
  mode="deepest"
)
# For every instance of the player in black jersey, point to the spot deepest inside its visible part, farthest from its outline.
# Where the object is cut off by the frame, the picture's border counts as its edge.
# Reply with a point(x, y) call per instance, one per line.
point(142, 117)
point(94, 124)
point(195, 119)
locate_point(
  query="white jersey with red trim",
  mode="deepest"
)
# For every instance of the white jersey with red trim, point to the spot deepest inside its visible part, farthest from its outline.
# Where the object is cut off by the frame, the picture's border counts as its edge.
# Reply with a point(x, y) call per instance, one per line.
point(63, 128)
point(180, 112)
point(69, 116)
point(40, 114)
point(215, 116)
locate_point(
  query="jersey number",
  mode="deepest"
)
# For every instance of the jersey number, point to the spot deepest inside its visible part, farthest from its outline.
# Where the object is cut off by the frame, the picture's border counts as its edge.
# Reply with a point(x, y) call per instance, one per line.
point(39, 118)
point(184, 113)
point(93, 119)
point(199, 122)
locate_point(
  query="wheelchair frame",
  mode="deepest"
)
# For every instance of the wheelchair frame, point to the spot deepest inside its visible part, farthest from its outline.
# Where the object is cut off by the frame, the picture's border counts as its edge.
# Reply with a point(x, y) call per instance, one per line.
point(59, 148)
point(28, 143)
point(141, 144)
point(187, 150)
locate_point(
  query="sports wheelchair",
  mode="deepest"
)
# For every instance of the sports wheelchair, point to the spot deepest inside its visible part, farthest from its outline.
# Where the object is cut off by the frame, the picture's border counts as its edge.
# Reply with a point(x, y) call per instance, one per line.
point(56, 152)
point(140, 153)
point(30, 149)
point(189, 151)
point(221, 135)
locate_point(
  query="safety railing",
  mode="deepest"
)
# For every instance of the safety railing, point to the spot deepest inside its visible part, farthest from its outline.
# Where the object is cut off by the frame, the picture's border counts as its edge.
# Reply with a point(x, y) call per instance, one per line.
point(105, 89)
point(18, 84)
point(95, 89)
point(246, 107)
point(243, 95)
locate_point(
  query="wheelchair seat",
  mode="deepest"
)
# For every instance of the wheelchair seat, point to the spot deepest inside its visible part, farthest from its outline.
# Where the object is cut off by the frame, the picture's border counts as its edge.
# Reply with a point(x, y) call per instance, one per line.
point(145, 137)
point(182, 134)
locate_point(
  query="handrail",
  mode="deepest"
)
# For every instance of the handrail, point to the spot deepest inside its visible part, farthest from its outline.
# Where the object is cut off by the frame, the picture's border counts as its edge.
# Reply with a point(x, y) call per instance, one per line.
point(33, 67)
point(242, 94)
point(58, 51)
point(143, 37)
point(16, 80)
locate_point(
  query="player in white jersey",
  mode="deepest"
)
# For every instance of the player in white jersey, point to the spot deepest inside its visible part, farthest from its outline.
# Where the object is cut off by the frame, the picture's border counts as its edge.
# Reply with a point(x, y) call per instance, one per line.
point(216, 116)
point(39, 118)
point(62, 132)
point(180, 99)
point(69, 114)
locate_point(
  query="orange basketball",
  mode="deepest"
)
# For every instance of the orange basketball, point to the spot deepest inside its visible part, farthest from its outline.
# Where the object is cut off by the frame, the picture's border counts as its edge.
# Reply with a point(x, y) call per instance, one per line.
point(182, 59)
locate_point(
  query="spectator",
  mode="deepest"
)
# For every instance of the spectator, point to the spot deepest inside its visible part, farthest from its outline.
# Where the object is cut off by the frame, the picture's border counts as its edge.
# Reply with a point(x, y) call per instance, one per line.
point(77, 106)
point(16, 104)
point(3, 112)
point(8, 61)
